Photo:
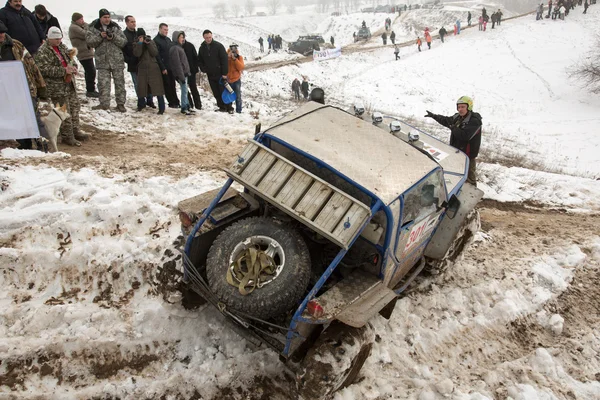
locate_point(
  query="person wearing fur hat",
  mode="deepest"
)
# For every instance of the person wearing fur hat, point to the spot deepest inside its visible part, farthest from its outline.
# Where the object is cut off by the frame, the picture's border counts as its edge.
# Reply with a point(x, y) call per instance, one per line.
point(57, 65)
point(85, 53)
point(107, 38)
point(13, 50)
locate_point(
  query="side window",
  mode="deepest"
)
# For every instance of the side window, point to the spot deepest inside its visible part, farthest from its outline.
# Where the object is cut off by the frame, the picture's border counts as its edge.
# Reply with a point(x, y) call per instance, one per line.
point(424, 199)
point(420, 202)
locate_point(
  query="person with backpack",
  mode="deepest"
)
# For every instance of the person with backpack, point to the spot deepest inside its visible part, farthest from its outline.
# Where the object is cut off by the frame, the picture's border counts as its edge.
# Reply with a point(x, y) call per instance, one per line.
point(428, 38)
point(465, 132)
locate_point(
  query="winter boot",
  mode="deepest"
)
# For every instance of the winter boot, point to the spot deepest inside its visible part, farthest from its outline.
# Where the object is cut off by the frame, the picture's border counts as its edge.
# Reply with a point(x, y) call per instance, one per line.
point(121, 108)
point(71, 141)
point(81, 136)
point(100, 107)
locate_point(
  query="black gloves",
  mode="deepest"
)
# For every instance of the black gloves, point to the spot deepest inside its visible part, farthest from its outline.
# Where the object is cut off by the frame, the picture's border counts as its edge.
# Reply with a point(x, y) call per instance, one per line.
point(429, 114)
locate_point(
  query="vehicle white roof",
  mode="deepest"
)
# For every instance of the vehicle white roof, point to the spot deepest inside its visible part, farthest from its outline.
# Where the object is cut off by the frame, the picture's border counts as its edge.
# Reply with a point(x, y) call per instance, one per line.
point(373, 158)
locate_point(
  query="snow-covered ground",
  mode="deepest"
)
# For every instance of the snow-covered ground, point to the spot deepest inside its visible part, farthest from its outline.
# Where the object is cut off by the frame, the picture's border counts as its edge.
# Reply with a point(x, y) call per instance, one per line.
point(88, 259)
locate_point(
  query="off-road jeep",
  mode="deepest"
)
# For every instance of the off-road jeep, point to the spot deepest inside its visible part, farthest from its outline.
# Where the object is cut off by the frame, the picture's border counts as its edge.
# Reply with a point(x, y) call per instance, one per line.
point(364, 33)
point(336, 217)
point(304, 46)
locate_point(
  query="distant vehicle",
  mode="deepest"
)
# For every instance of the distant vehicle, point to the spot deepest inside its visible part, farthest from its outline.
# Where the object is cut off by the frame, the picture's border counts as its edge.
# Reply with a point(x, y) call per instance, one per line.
point(261, 14)
point(118, 17)
point(363, 34)
point(384, 9)
point(336, 14)
point(367, 9)
point(304, 46)
point(318, 38)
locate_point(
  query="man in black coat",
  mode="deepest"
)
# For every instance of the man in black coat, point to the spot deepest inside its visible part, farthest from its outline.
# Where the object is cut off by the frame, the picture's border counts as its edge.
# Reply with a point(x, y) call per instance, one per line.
point(164, 43)
point(465, 132)
point(192, 57)
point(132, 61)
point(45, 19)
point(22, 25)
point(212, 60)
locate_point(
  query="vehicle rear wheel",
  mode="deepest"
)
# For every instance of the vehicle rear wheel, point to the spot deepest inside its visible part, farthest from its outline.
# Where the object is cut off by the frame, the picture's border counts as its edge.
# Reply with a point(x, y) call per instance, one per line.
point(334, 361)
point(277, 292)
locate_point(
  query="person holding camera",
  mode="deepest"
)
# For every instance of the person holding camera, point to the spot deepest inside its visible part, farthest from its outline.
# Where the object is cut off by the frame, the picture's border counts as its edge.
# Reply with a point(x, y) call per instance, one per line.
point(180, 68)
point(213, 60)
point(149, 75)
point(106, 37)
point(132, 61)
point(234, 75)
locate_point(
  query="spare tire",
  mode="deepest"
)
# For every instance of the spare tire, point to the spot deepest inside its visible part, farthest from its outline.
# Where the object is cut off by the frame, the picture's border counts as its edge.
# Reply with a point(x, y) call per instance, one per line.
point(289, 252)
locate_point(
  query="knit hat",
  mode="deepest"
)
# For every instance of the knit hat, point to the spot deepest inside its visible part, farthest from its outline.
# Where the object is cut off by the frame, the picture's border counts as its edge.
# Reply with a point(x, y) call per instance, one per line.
point(3, 28)
point(54, 33)
point(103, 12)
point(140, 32)
point(76, 16)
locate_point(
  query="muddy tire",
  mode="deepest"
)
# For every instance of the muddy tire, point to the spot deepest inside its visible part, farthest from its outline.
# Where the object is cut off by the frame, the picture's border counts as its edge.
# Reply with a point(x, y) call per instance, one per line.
point(291, 254)
point(334, 361)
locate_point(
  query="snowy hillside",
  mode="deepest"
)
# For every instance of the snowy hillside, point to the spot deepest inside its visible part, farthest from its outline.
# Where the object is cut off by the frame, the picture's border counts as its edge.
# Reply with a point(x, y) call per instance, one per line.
point(89, 237)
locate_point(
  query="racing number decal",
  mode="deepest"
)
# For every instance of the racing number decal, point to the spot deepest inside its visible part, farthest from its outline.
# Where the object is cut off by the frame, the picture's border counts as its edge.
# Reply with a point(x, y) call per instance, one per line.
point(418, 231)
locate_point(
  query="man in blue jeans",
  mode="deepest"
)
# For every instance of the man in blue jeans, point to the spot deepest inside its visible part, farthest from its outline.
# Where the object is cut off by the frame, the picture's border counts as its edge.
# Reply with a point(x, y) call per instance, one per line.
point(234, 75)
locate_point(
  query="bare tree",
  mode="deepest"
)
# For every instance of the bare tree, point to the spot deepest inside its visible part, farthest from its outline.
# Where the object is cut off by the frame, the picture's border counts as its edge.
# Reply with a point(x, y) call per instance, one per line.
point(249, 7)
point(235, 9)
point(220, 10)
point(587, 71)
point(273, 6)
point(291, 7)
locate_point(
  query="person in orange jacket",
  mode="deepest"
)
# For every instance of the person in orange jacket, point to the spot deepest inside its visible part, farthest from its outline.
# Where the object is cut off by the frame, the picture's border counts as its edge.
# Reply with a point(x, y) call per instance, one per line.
point(235, 63)
point(419, 43)
point(428, 38)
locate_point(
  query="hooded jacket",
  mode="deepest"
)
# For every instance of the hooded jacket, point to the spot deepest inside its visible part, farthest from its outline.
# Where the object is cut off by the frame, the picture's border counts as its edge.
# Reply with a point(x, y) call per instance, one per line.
point(108, 54)
point(465, 133)
point(212, 59)
point(37, 85)
point(23, 26)
point(77, 37)
point(180, 67)
point(48, 21)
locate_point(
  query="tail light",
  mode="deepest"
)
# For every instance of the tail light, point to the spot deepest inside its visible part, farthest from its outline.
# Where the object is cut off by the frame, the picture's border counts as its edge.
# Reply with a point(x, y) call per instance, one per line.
point(315, 309)
point(185, 219)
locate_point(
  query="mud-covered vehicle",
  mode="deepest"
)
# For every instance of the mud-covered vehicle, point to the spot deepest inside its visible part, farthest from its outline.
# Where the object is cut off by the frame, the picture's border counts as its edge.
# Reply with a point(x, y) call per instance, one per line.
point(364, 33)
point(304, 46)
point(329, 221)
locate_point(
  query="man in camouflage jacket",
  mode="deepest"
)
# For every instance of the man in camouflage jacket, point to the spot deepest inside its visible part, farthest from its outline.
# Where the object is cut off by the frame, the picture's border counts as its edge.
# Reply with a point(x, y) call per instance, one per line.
point(108, 40)
point(58, 69)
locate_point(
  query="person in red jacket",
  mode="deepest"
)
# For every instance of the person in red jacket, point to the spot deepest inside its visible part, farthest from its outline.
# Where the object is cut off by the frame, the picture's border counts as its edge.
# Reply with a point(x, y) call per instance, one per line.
point(234, 76)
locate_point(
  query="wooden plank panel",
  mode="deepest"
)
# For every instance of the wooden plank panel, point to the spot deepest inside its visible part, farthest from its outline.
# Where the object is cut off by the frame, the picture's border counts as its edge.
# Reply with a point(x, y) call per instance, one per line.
point(336, 207)
point(294, 189)
point(314, 200)
point(244, 158)
point(355, 216)
point(258, 167)
point(276, 177)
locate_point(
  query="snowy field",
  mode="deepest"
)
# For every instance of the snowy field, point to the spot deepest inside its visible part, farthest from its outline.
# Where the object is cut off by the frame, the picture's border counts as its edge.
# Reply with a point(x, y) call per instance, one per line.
point(90, 307)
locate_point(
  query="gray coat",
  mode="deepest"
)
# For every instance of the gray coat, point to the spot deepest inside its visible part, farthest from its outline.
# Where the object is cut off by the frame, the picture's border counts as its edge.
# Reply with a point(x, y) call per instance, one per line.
point(148, 71)
point(77, 37)
point(108, 52)
point(178, 62)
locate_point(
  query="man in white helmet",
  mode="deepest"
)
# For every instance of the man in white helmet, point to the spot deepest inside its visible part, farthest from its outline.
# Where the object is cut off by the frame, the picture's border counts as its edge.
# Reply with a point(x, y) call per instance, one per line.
point(465, 132)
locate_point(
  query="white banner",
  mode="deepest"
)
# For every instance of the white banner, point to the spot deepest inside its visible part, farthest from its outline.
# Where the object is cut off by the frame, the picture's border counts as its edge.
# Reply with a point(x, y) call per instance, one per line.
point(16, 107)
point(327, 54)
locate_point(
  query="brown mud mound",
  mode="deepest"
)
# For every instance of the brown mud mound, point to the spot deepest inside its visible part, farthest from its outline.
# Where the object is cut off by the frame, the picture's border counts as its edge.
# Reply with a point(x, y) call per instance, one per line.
point(111, 153)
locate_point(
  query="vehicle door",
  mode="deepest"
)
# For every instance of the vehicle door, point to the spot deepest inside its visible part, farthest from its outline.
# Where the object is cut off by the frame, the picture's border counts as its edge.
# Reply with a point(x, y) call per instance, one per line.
point(421, 210)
